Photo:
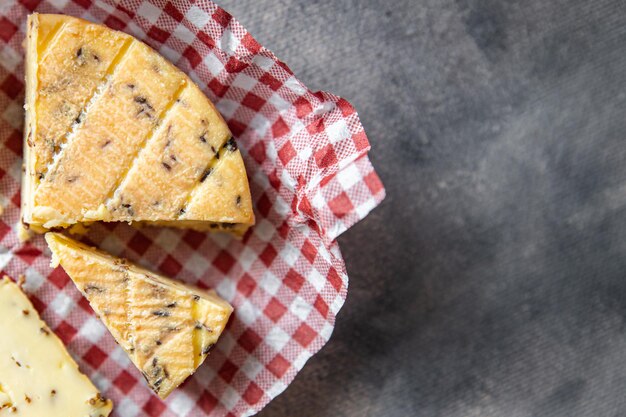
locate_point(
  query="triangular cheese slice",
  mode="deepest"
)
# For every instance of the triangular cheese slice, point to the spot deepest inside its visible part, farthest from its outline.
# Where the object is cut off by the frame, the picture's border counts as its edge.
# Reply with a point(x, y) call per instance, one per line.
point(37, 375)
point(166, 327)
point(114, 132)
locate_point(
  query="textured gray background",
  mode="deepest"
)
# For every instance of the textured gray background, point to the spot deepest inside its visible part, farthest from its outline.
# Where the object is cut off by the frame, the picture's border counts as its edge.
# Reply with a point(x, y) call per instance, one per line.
point(492, 280)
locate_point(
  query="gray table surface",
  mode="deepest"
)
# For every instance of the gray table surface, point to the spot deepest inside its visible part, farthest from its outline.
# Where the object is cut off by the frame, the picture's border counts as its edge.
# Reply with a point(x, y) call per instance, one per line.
point(492, 280)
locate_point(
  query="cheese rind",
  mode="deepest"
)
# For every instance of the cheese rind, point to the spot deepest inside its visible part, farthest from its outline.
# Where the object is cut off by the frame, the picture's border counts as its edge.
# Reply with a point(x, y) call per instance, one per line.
point(114, 132)
point(166, 327)
point(37, 375)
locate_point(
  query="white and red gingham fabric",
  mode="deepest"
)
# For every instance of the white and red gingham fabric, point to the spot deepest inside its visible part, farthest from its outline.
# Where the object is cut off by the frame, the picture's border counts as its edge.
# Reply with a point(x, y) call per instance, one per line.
point(306, 156)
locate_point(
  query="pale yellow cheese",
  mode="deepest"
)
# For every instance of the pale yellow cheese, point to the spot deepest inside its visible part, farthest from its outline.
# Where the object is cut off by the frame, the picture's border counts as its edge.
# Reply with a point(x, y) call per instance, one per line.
point(114, 132)
point(166, 327)
point(183, 146)
point(223, 193)
point(121, 118)
point(37, 375)
point(73, 62)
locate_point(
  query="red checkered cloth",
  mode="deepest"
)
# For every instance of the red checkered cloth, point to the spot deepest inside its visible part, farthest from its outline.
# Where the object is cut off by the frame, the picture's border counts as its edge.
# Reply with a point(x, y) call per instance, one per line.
point(306, 155)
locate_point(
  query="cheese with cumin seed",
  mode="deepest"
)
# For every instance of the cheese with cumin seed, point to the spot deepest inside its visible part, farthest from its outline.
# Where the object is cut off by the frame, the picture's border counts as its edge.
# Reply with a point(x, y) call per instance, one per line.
point(37, 375)
point(114, 132)
point(166, 327)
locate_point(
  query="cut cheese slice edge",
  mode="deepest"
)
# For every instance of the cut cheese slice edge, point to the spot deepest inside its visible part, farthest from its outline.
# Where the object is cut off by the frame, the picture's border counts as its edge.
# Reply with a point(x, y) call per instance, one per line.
point(167, 328)
point(37, 375)
point(114, 132)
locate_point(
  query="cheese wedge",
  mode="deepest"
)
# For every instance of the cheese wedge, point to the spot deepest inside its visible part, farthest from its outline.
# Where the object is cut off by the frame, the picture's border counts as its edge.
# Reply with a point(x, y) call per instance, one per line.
point(37, 375)
point(166, 327)
point(114, 132)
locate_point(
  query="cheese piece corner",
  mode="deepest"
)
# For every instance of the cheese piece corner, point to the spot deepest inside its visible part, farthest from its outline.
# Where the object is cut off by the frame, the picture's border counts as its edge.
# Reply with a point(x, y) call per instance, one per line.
point(167, 328)
point(37, 375)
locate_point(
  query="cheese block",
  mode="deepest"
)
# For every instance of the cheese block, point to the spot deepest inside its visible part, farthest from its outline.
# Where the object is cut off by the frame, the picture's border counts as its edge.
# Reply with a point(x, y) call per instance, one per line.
point(114, 132)
point(37, 375)
point(166, 327)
